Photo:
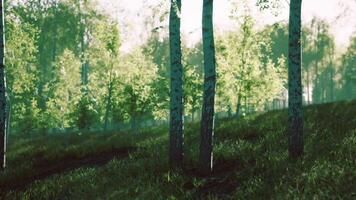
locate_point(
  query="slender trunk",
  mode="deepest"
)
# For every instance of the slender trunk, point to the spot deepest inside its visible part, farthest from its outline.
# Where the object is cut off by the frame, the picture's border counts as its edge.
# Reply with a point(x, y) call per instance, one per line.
point(331, 96)
point(54, 48)
point(295, 111)
point(84, 60)
point(316, 91)
point(308, 87)
point(193, 113)
point(229, 112)
point(193, 109)
point(41, 99)
point(207, 121)
point(2, 90)
point(331, 83)
point(245, 105)
point(176, 134)
point(323, 86)
point(108, 105)
point(133, 123)
point(238, 105)
point(8, 118)
point(133, 110)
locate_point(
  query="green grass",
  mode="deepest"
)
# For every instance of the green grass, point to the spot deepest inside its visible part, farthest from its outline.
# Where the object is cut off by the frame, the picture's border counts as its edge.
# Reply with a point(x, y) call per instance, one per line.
point(251, 162)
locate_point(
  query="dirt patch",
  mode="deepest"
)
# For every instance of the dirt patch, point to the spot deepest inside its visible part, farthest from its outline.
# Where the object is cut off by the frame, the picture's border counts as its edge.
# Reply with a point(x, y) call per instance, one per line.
point(44, 168)
point(221, 187)
point(220, 183)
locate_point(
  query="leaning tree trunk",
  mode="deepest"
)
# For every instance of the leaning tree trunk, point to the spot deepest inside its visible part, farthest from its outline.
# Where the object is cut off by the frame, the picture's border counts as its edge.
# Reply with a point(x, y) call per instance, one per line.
point(2, 90)
point(207, 121)
point(295, 112)
point(176, 102)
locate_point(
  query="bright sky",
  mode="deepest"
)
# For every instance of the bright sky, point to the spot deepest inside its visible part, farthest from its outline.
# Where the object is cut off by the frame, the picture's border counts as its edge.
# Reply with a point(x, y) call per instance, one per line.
point(340, 14)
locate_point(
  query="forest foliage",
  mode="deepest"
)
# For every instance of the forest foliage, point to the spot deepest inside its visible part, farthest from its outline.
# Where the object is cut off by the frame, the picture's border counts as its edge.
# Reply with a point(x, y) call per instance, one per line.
point(64, 68)
point(66, 71)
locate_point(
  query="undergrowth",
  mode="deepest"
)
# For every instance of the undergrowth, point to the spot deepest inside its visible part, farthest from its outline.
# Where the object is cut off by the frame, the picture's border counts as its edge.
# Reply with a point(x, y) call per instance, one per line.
point(250, 161)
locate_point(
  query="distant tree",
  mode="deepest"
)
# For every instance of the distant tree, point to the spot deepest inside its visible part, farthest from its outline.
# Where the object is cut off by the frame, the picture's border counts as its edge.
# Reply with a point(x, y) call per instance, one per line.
point(207, 120)
point(67, 89)
point(348, 72)
point(85, 113)
point(134, 87)
point(112, 44)
point(157, 16)
point(245, 70)
point(295, 111)
point(21, 74)
point(57, 28)
point(193, 85)
point(176, 105)
point(322, 46)
point(2, 89)
point(193, 79)
point(84, 33)
point(278, 34)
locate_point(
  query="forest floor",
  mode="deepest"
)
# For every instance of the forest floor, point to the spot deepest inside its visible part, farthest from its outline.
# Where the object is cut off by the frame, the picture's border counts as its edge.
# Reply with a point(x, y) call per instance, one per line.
point(250, 162)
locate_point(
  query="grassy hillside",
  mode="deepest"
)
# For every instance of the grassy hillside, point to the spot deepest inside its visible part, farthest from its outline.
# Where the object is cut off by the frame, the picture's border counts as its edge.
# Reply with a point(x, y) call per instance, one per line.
point(251, 162)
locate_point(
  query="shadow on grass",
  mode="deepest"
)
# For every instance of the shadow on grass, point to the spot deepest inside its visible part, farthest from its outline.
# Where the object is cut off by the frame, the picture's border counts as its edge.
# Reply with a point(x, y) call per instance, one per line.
point(45, 168)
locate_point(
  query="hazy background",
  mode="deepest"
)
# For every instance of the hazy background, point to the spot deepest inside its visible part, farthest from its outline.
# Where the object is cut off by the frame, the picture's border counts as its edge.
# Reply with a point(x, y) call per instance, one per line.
point(340, 14)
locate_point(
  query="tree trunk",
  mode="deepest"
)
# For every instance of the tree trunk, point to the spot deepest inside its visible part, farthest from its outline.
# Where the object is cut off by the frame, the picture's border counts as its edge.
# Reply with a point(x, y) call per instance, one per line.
point(316, 91)
point(108, 105)
point(133, 123)
point(54, 50)
point(331, 95)
point(331, 84)
point(207, 121)
point(193, 113)
point(41, 97)
point(84, 61)
point(133, 110)
point(238, 106)
point(229, 112)
point(323, 86)
point(245, 105)
point(176, 100)
point(295, 111)
point(193, 109)
point(8, 117)
point(2, 90)
point(308, 89)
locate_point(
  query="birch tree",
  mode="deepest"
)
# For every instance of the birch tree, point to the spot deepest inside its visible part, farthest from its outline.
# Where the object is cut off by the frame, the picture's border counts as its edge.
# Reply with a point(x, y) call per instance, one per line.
point(2, 90)
point(207, 121)
point(295, 112)
point(176, 102)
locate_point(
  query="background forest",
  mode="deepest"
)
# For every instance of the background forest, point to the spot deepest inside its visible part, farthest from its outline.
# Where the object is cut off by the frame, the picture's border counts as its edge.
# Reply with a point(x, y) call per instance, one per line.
point(94, 111)
point(65, 68)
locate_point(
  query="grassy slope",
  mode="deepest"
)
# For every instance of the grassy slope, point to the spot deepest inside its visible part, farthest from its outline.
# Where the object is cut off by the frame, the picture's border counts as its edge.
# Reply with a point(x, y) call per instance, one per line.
point(251, 162)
